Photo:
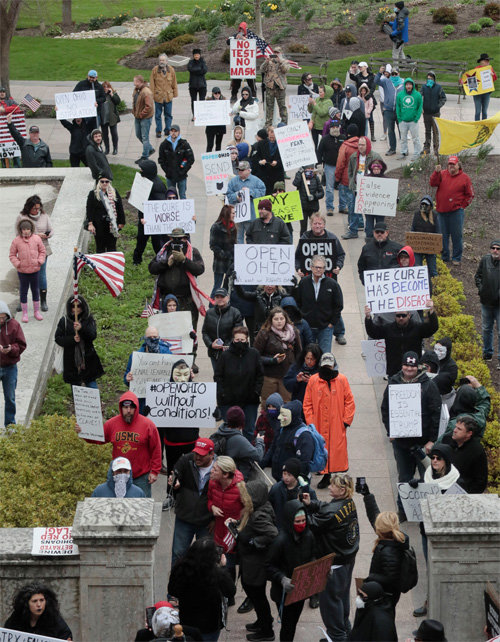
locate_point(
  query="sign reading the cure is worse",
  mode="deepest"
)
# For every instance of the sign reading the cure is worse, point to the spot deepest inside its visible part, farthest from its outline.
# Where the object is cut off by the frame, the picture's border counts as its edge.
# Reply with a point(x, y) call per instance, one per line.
point(243, 58)
point(164, 216)
point(397, 290)
point(264, 264)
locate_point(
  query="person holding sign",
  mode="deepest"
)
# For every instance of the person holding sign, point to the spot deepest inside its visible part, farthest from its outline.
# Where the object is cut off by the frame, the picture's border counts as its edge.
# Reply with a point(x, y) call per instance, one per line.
point(426, 220)
point(119, 481)
point(319, 110)
point(378, 253)
point(215, 132)
point(92, 84)
point(34, 151)
point(234, 195)
point(481, 101)
point(311, 192)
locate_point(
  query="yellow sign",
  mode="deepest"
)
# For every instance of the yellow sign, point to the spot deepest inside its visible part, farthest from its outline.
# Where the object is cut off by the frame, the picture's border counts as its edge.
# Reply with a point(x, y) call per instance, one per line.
point(454, 136)
point(478, 81)
point(286, 205)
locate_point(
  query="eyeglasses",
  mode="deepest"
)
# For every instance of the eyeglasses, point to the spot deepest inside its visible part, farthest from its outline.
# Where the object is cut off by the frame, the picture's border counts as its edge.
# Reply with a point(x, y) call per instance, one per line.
point(401, 316)
point(318, 267)
point(101, 181)
point(437, 457)
point(216, 93)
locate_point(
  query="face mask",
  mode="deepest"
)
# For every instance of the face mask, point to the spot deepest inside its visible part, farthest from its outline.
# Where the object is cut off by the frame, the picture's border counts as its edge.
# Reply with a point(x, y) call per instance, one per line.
point(152, 344)
point(359, 602)
point(327, 373)
point(181, 374)
point(272, 412)
point(121, 483)
point(440, 351)
point(430, 82)
point(239, 346)
point(299, 528)
point(309, 174)
point(285, 417)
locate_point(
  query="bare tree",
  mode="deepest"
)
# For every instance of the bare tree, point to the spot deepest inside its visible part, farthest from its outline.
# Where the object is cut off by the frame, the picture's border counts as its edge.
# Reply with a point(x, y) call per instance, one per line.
point(66, 13)
point(9, 15)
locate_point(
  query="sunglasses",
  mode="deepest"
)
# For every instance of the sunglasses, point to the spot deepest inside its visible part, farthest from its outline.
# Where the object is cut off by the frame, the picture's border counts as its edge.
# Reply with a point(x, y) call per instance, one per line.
point(101, 181)
point(216, 93)
point(242, 170)
point(495, 247)
point(401, 316)
point(437, 457)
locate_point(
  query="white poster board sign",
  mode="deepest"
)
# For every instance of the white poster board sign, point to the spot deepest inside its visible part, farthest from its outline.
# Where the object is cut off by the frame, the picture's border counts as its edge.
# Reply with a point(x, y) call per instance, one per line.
point(374, 354)
point(405, 410)
point(88, 412)
point(211, 112)
point(297, 107)
point(53, 540)
point(9, 150)
point(444, 418)
point(486, 80)
point(377, 196)
point(163, 216)
point(455, 489)
point(141, 189)
point(8, 635)
point(242, 58)
point(182, 405)
point(411, 498)
point(217, 171)
point(397, 289)
point(242, 209)
point(295, 145)
point(151, 367)
point(264, 264)
point(174, 327)
point(75, 104)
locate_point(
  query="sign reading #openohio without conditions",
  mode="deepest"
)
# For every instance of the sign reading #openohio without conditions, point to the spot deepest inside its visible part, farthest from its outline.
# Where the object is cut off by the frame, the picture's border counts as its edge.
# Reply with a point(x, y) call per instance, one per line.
point(182, 405)
point(397, 290)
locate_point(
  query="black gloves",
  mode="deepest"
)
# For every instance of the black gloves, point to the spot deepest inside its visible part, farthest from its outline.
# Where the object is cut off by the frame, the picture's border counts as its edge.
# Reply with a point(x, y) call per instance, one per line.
point(414, 483)
point(362, 488)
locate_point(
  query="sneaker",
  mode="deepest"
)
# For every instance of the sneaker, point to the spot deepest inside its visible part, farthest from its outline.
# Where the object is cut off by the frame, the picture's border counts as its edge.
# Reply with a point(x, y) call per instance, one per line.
point(260, 636)
point(391, 152)
point(341, 340)
point(487, 357)
point(384, 137)
point(152, 151)
point(329, 213)
point(325, 481)
point(158, 134)
point(349, 235)
point(168, 503)
point(246, 606)
point(421, 611)
point(402, 157)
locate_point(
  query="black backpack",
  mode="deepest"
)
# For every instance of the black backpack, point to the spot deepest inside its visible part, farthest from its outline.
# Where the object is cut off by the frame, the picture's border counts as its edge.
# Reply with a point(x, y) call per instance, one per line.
point(409, 571)
point(220, 443)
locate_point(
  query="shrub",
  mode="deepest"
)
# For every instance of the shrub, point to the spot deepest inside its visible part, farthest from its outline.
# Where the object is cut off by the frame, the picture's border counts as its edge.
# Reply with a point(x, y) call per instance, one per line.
point(171, 47)
point(281, 35)
point(445, 16)
point(226, 55)
point(96, 23)
point(345, 38)
point(492, 191)
point(121, 18)
point(460, 327)
point(174, 30)
point(53, 30)
point(497, 28)
point(362, 17)
point(492, 10)
point(448, 30)
point(121, 107)
point(474, 28)
point(485, 22)
point(309, 15)
point(446, 305)
point(407, 201)
point(297, 47)
point(484, 151)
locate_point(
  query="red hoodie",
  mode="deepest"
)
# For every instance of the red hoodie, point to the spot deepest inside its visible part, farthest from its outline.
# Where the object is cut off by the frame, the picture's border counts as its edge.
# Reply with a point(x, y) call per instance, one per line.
point(346, 150)
point(229, 501)
point(453, 192)
point(410, 253)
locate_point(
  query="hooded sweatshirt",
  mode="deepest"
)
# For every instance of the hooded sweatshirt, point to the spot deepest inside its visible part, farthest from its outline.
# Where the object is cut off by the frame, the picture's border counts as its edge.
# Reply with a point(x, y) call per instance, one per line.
point(11, 334)
point(409, 104)
point(453, 192)
point(149, 170)
point(108, 488)
point(27, 255)
point(348, 147)
point(410, 253)
point(357, 164)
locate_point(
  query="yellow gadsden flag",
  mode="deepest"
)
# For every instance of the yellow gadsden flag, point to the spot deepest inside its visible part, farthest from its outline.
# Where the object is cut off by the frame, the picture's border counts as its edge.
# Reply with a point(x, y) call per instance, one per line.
point(454, 136)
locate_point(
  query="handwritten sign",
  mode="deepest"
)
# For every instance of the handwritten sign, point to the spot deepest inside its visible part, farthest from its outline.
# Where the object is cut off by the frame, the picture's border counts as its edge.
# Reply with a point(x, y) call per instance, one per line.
point(174, 327)
point(9, 150)
point(141, 189)
point(242, 210)
point(9, 635)
point(297, 108)
point(163, 216)
point(424, 243)
point(309, 579)
point(8, 147)
point(53, 540)
point(75, 104)
point(211, 112)
point(377, 196)
point(88, 412)
point(149, 367)
point(411, 498)
point(217, 171)
point(455, 489)
point(242, 58)
point(375, 359)
point(309, 247)
point(182, 405)
point(405, 410)
point(285, 205)
point(264, 264)
point(397, 289)
point(295, 145)
point(478, 81)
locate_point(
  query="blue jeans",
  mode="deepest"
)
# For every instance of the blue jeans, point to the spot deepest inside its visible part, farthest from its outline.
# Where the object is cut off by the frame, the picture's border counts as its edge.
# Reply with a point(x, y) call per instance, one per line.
point(430, 259)
point(334, 604)
point(180, 186)
point(330, 182)
point(241, 229)
point(42, 275)
point(250, 411)
point(371, 220)
point(481, 103)
point(452, 224)
point(211, 637)
point(8, 375)
point(390, 123)
point(354, 220)
point(346, 198)
point(339, 328)
point(406, 464)
point(142, 127)
point(489, 315)
point(183, 536)
point(166, 108)
point(323, 337)
point(141, 481)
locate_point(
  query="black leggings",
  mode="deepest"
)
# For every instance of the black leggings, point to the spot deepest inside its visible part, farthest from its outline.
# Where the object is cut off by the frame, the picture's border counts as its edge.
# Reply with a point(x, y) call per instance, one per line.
point(114, 135)
point(197, 94)
point(289, 619)
point(257, 595)
point(211, 136)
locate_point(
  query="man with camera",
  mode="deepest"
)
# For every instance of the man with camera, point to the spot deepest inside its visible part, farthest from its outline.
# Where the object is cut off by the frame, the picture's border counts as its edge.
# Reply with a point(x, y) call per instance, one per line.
point(274, 71)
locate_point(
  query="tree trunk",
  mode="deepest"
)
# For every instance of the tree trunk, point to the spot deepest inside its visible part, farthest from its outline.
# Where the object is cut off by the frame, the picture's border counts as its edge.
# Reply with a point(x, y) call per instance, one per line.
point(258, 18)
point(66, 13)
point(9, 15)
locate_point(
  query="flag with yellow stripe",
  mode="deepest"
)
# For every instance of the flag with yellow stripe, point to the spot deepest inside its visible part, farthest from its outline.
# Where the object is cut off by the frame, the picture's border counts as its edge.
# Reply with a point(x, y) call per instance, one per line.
point(455, 136)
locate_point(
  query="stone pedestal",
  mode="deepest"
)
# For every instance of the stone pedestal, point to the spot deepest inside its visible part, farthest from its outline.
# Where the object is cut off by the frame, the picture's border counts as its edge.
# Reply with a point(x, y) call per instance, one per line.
point(116, 539)
point(463, 535)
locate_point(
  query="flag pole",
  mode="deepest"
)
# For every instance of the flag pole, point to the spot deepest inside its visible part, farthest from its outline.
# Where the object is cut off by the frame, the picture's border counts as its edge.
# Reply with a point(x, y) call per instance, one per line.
point(75, 286)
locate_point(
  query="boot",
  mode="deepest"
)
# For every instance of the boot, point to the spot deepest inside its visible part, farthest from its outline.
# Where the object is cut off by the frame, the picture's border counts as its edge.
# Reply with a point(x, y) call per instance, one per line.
point(43, 301)
point(36, 311)
point(19, 308)
point(372, 130)
point(115, 151)
point(24, 308)
point(106, 151)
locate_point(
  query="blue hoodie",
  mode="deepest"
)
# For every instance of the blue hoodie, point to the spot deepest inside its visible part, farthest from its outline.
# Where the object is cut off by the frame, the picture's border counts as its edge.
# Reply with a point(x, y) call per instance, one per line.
point(108, 488)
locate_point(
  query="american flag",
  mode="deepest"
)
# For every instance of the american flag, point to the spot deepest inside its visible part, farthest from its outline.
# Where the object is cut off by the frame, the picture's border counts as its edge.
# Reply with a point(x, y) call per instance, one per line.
point(175, 344)
point(264, 50)
point(109, 267)
point(147, 311)
point(19, 123)
point(229, 542)
point(30, 102)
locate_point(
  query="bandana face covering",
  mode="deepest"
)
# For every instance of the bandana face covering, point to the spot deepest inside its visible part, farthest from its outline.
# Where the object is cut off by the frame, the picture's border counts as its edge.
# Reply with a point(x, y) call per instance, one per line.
point(121, 480)
point(327, 373)
point(152, 344)
point(299, 528)
point(273, 412)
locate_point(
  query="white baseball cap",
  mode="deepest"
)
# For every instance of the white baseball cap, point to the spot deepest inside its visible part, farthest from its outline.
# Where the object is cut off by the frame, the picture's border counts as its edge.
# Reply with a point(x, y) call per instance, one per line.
point(119, 463)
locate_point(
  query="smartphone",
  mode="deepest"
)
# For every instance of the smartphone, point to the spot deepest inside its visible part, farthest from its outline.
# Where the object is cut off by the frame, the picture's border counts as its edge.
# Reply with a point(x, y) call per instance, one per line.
point(149, 616)
point(361, 481)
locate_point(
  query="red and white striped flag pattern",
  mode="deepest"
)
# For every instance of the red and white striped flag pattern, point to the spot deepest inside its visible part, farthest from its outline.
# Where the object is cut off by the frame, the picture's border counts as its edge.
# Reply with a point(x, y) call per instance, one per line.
point(175, 344)
point(229, 542)
point(30, 102)
point(109, 267)
point(147, 311)
point(19, 122)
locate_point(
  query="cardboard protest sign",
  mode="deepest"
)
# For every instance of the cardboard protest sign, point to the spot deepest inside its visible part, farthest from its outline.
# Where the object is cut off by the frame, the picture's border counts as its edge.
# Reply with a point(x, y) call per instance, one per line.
point(444, 418)
point(163, 216)
point(174, 327)
point(264, 264)
point(8, 147)
point(217, 171)
point(405, 410)
point(149, 367)
point(377, 196)
point(295, 145)
point(492, 608)
point(309, 579)
point(286, 205)
point(75, 104)
point(242, 58)
point(309, 247)
point(141, 189)
point(88, 412)
point(211, 112)
point(243, 209)
point(424, 243)
point(297, 107)
point(8, 635)
point(375, 359)
point(182, 405)
point(53, 540)
point(478, 81)
point(411, 498)
point(397, 289)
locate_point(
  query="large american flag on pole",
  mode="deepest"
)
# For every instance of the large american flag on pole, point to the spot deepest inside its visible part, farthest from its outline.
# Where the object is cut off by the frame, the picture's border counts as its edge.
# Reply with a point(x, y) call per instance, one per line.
point(109, 267)
point(264, 50)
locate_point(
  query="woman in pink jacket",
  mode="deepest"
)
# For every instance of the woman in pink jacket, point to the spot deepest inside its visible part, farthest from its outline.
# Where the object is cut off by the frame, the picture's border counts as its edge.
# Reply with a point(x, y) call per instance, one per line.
point(27, 254)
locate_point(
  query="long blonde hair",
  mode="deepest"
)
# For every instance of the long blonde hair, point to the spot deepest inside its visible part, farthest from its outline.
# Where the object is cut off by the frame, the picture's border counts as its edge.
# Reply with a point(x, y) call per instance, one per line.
point(227, 465)
point(387, 527)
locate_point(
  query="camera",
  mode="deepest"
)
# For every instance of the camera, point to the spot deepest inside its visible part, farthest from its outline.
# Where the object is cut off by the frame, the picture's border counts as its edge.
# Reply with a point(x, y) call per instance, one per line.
point(177, 247)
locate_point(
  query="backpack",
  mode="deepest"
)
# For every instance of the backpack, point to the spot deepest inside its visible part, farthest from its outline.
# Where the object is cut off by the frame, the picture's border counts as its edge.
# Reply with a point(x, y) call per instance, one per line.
point(409, 571)
point(220, 443)
point(320, 455)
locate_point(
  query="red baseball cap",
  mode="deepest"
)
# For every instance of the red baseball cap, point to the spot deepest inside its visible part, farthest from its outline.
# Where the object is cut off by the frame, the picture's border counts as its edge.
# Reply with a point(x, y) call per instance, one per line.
point(158, 605)
point(453, 160)
point(203, 447)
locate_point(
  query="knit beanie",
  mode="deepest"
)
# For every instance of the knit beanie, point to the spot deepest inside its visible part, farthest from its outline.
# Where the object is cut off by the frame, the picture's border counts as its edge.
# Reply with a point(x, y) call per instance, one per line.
point(265, 204)
point(262, 133)
point(235, 417)
point(292, 466)
point(352, 130)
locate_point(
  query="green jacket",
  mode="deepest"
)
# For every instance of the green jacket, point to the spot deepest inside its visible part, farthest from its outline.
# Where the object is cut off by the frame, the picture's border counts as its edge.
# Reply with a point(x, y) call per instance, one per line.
point(319, 111)
point(409, 106)
point(481, 412)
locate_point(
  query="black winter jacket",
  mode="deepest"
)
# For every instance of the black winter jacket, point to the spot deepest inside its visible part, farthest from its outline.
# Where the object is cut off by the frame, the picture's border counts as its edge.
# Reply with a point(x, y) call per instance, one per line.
point(273, 233)
point(239, 376)
point(86, 85)
point(336, 529)
point(79, 136)
point(302, 91)
point(326, 308)
point(158, 191)
point(378, 256)
point(191, 504)
point(222, 245)
point(328, 149)
point(359, 79)
point(448, 369)
point(421, 225)
point(433, 99)
point(328, 245)
point(268, 174)
point(176, 164)
point(29, 156)
point(470, 461)
point(263, 303)
point(219, 324)
point(56, 628)
point(279, 495)
point(487, 280)
point(315, 190)
point(197, 70)
point(374, 622)
point(97, 214)
point(96, 160)
point(173, 279)
point(240, 449)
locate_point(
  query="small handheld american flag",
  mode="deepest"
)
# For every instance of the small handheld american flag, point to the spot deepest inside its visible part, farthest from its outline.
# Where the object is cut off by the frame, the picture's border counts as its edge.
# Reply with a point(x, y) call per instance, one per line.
point(147, 311)
point(30, 102)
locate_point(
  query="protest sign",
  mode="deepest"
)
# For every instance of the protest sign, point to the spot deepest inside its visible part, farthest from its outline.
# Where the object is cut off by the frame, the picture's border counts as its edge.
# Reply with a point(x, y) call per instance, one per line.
point(323, 246)
point(242, 58)
point(478, 81)
point(374, 354)
point(297, 107)
point(309, 579)
point(8, 147)
point(444, 418)
point(411, 498)
point(217, 171)
point(75, 104)
point(264, 264)
point(150, 367)
point(9, 635)
point(139, 194)
point(53, 540)
point(88, 412)
point(9, 150)
point(405, 410)
point(211, 112)
point(174, 327)
point(163, 216)
point(377, 196)
point(286, 205)
point(182, 405)
point(242, 210)
point(397, 289)
point(492, 608)
point(295, 145)
point(425, 242)
point(455, 489)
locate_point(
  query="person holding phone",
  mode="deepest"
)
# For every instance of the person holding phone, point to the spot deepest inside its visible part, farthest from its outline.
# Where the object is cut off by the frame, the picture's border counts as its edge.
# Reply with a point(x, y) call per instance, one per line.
point(300, 372)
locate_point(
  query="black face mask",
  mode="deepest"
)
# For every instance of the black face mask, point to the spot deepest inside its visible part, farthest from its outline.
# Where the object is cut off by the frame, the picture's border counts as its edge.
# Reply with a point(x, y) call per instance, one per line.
point(239, 347)
point(327, 373)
